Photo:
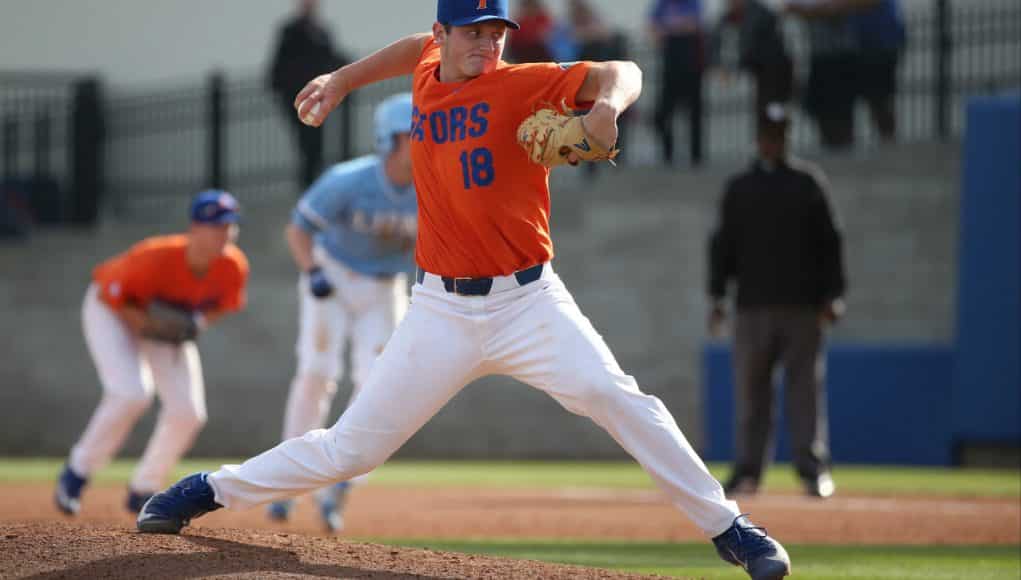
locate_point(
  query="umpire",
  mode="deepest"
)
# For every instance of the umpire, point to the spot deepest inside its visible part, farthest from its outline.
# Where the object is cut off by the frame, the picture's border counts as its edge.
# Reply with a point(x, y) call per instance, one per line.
point(777, 240)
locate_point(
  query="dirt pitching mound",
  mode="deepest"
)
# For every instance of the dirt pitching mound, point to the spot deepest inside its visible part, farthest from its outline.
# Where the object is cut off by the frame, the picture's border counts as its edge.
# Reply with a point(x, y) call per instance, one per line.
point(51, 550)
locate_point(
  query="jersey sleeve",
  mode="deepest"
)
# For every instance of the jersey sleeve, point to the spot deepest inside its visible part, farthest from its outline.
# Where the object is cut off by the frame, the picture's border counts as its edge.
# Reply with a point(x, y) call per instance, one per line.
point(553, 83)
point(324, 202)
point(127, 279)
point(235, 293)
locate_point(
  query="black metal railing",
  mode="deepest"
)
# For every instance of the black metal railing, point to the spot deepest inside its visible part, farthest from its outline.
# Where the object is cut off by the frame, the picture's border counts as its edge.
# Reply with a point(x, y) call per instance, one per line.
point(158, 145)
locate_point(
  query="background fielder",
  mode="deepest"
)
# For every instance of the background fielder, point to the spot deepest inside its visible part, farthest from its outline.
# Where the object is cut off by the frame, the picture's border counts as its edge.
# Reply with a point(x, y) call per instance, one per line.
point(351, 236)
point(201, 273)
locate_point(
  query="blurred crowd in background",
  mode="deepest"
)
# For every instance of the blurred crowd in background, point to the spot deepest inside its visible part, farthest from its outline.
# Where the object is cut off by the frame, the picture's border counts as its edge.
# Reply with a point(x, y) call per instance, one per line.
point(854, 49)
point(855, 46)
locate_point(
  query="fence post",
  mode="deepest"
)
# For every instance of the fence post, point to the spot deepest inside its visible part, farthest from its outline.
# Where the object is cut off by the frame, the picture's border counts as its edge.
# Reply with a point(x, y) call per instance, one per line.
point(41, 152)
point(944, 49)
point(10, 146)
point(87, 168)
point(347, 146)
point(217, 120)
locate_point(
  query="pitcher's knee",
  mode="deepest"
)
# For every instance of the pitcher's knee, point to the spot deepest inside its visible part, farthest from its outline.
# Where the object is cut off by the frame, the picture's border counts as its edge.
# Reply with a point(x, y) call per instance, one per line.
point(602, 388)
point(352, 458)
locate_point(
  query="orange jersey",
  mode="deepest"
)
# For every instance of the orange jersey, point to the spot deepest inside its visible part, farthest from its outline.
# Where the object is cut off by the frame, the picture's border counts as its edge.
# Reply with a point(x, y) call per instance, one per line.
point(483, 206)
point(157, 268)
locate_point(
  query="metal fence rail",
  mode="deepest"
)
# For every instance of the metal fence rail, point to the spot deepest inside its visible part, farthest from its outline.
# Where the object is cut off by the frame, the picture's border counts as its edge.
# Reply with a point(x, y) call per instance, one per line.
point(160, 144)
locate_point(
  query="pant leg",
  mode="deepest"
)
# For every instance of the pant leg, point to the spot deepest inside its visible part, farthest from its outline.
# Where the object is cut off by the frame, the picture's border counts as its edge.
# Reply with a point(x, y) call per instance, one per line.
point(696, 118)
point(663, 118)
point(548, 343)
point(433, 353)
point(126, 381)
point(374, 324)
point(805, 394)
point(323, 327)
point(755, 356)
point(370, 331)
point(177, 374)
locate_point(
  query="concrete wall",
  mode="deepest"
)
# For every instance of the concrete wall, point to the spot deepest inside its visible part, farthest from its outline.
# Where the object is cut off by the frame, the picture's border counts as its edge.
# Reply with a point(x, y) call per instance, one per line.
point(631, 249)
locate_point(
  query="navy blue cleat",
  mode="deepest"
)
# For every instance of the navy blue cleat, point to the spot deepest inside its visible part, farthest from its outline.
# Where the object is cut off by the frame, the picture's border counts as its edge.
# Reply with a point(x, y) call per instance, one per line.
point(169, 511)
point(331, 506)
point(280, 511)
point(748, 546)
point(136, 499)
point(69, 491)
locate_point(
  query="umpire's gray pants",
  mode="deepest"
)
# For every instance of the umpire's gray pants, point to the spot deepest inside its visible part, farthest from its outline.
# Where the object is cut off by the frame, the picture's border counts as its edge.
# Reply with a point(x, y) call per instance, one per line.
point(793, 337)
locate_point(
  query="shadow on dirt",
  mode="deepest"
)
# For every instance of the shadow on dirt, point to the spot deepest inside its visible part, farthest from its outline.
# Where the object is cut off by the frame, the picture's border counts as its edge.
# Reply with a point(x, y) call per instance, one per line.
point(218, 558)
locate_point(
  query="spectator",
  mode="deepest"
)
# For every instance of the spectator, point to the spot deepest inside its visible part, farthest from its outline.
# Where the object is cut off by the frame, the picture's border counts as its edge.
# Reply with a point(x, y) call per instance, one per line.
point(834, 64)
point(881, 37)
point(761, 50)
point(777, 240)
point(529, 43)
point(304, 50)
point(560, 42)
point(589, 32)
point(676, 28)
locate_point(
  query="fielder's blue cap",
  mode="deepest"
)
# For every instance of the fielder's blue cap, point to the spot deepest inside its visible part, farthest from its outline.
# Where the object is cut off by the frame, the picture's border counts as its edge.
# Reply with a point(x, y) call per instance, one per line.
point(465, 12)
point(215, 207)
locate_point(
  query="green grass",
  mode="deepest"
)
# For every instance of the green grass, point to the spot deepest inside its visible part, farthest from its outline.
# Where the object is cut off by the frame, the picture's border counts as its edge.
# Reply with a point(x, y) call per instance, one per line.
point(867, 480)
point(681, 560)
point(700, 560)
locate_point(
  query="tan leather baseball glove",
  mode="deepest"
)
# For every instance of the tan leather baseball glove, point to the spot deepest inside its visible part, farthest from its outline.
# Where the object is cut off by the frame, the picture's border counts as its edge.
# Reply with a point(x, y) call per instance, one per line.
point(550, 136)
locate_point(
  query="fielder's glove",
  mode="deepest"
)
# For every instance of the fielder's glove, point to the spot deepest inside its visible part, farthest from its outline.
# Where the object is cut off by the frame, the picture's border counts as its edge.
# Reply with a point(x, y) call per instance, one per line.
point(549, 137)
point(169, 323)
point(319, 284)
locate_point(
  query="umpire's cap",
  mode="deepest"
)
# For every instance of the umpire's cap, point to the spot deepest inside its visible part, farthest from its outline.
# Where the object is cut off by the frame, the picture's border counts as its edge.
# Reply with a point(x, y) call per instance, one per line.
point(774, 120)
point(465, 12)
point(215, 207)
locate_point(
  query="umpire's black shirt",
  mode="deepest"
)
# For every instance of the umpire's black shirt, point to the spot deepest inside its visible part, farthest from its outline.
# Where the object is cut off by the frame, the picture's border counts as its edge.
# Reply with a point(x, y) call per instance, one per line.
point(776, 238)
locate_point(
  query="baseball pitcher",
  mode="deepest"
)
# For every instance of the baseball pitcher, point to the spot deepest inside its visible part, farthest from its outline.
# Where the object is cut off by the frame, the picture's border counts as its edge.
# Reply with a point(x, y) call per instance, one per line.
point(141, 316)
point(487, 300)
point(351, 236)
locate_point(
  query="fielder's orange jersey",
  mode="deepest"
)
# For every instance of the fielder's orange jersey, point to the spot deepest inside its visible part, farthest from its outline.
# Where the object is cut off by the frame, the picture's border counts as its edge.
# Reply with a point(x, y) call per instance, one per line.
point(157, 268)
point(483, 206)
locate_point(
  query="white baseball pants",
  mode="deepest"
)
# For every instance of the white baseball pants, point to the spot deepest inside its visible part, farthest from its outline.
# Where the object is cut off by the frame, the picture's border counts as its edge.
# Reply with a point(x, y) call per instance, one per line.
point(364, 310)
point(534, 333)
point(130, 371)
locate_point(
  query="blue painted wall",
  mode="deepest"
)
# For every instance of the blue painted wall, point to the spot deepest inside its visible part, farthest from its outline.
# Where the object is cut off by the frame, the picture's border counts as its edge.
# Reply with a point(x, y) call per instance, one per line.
point(987, 376)
point(888, 404)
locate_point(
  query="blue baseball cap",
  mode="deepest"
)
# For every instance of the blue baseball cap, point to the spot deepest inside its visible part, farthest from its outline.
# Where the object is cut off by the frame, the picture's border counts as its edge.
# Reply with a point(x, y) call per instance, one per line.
point(465, 12)
point(215, 207)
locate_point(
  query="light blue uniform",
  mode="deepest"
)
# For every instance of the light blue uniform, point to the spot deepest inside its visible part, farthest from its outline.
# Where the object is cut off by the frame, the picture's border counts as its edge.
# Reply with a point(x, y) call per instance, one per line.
point(361, 219)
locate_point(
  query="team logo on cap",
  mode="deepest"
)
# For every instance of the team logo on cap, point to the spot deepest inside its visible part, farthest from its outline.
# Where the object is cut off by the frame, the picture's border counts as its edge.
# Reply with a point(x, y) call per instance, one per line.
point(226, 201)
point(483, 5)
